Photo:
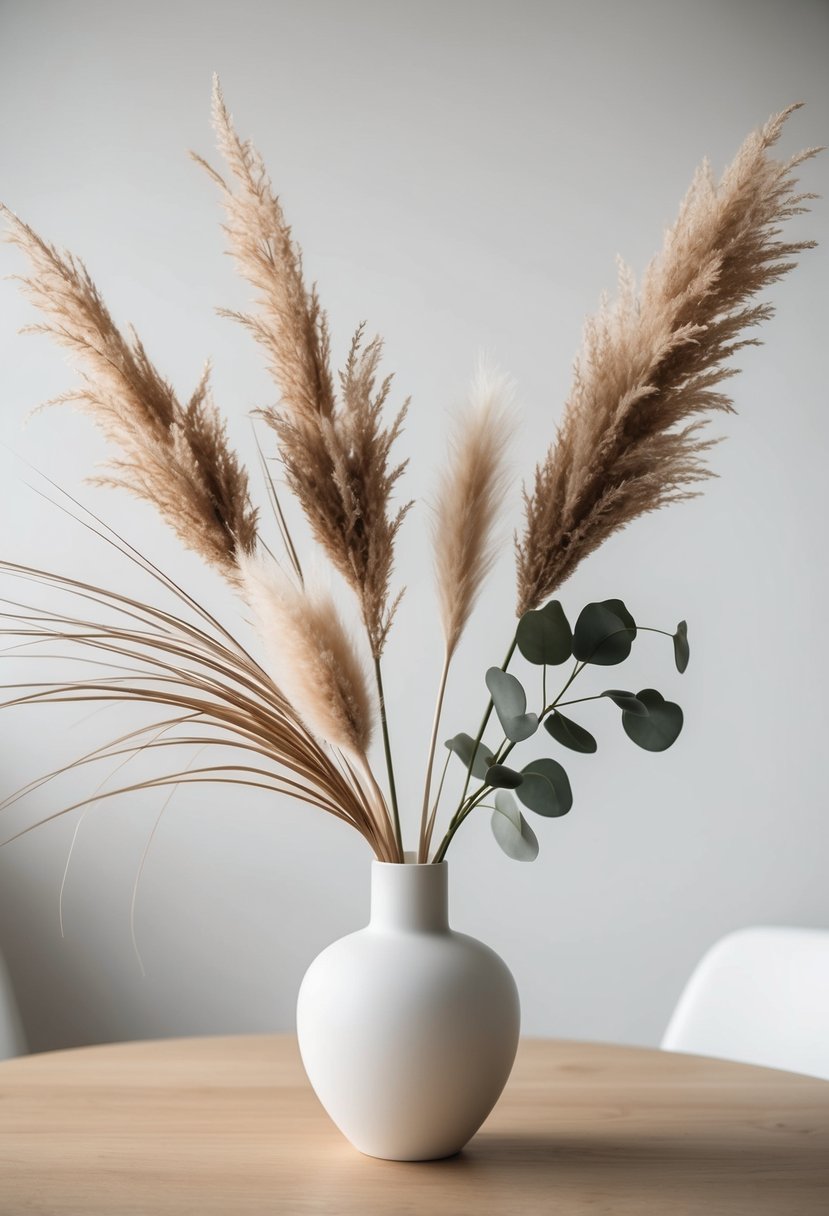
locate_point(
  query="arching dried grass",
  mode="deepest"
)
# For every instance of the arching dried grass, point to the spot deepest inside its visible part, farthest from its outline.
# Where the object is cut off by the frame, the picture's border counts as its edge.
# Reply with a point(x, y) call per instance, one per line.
point(209, 689)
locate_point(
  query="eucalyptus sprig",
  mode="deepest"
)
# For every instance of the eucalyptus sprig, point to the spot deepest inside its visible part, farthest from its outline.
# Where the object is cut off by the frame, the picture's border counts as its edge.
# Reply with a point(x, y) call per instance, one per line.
point(603, 636)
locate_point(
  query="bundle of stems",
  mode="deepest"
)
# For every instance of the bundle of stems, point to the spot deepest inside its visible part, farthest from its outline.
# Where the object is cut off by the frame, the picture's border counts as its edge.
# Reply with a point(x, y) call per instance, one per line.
point(631, 440)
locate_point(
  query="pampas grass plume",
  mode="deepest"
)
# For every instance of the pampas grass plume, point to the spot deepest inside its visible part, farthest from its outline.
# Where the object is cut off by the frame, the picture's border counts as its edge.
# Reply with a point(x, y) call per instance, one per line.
point(470, 497)
point(310, 655)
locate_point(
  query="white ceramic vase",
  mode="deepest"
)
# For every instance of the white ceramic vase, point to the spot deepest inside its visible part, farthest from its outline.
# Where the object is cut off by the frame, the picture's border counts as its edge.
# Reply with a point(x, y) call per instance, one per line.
point(407, 1029)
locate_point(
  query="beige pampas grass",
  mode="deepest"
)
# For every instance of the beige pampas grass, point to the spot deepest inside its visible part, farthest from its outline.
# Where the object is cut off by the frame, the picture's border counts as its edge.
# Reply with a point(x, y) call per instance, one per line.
point(336, 450)
point(310, 656)
point(175, 456)
point(470, 496)
point(652, 365)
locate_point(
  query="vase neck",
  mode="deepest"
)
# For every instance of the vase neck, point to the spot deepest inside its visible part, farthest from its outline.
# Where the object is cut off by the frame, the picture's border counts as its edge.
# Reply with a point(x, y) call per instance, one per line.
point(409, 898)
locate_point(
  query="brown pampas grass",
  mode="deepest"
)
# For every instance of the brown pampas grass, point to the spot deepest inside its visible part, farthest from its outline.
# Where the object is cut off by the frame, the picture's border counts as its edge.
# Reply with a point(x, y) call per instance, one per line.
point(310, 656)
point(336, 450)
point(175, 456)
point(652, 365)
point(470, 496)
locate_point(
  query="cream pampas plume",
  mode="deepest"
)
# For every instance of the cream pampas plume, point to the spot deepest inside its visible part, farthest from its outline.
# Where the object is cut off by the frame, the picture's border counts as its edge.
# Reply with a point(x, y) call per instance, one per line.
point(652, 363)
point(175, 456)
point(310, 656)
point(470, 497)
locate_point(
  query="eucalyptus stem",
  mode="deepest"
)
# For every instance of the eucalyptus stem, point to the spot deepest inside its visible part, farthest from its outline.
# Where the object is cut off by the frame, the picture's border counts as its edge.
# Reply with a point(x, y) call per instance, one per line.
point(485, 720)
point(574, 701)
point(458, 817)
point(384, 724)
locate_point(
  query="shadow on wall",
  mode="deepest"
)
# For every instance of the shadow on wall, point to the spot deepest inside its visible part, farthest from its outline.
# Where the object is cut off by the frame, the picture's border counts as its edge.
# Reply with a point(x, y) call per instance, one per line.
point(212, 964)
point(53, 981)
point(72, 991)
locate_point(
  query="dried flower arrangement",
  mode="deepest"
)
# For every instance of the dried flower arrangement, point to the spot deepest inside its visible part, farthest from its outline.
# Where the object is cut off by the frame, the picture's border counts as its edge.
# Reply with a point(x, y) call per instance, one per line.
point(632, 439)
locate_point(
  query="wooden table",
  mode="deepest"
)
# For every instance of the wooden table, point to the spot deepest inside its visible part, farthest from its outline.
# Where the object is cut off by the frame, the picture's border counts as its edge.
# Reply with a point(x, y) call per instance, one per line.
point(230, 1126)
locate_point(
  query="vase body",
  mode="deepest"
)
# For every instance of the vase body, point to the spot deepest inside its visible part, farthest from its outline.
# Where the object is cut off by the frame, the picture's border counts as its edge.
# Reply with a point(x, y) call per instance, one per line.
point(408, 1030)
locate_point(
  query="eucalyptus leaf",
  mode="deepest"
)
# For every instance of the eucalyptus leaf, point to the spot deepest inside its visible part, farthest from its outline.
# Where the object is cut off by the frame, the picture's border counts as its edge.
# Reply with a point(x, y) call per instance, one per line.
point(511, 830)
point(510, 703)
point(626, 700)
point(622, 611)
point(544, 635)
point(463, 746)
point(604, 633)
point(660, 728)
point(568, 733)
point(501, 777)
point(682, 651)
point(545, 788)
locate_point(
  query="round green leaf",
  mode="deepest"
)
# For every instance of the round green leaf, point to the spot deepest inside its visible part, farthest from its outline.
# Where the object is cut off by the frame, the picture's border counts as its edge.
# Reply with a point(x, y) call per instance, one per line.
point(501, 777)
point(510, 703)
point(660, 728)
point(569, 733)
point(682, 651)
point(463, 745)
point(545, 788)
point(544, 636)
point(511, 830)
point(621, 610)
point(626, 700)
point(604, 633)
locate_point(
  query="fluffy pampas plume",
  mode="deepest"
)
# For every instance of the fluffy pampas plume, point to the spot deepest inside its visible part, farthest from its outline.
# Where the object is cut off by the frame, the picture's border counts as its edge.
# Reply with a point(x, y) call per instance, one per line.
point(335, 448)
point(652, 363)
point(470, 497)
point(310, 656)
point(175, 456)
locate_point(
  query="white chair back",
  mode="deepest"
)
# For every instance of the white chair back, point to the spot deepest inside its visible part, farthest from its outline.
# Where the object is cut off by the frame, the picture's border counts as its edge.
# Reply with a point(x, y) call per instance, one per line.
point(759, 996)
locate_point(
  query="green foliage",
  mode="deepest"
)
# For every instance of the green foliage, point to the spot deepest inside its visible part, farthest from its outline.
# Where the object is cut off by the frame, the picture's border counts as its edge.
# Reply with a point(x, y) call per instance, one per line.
point(511, 830)
point(510, 703)
point(501, 777)
point(544, 636)
point(463, 746)
point(604, 633)
point(661, 727)
point(603, 637)
point(625, 700)
point(682, 652)
point(569, 733)
point(545, 788)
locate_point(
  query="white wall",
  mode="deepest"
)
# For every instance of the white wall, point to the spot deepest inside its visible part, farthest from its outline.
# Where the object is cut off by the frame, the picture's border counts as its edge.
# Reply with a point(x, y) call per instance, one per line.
point(462, 175)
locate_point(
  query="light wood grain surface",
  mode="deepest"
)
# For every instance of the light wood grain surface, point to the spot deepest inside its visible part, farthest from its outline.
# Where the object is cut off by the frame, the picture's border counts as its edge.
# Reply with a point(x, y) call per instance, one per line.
point(229, 1125)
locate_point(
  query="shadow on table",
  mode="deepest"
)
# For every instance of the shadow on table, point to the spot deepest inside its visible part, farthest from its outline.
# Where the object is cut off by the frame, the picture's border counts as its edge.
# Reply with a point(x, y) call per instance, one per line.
point(680, 1171)
point(626, 1172)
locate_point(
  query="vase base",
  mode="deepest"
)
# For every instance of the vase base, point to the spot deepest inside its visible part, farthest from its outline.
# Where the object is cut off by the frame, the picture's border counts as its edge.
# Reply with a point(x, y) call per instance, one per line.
point(438, 1156)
